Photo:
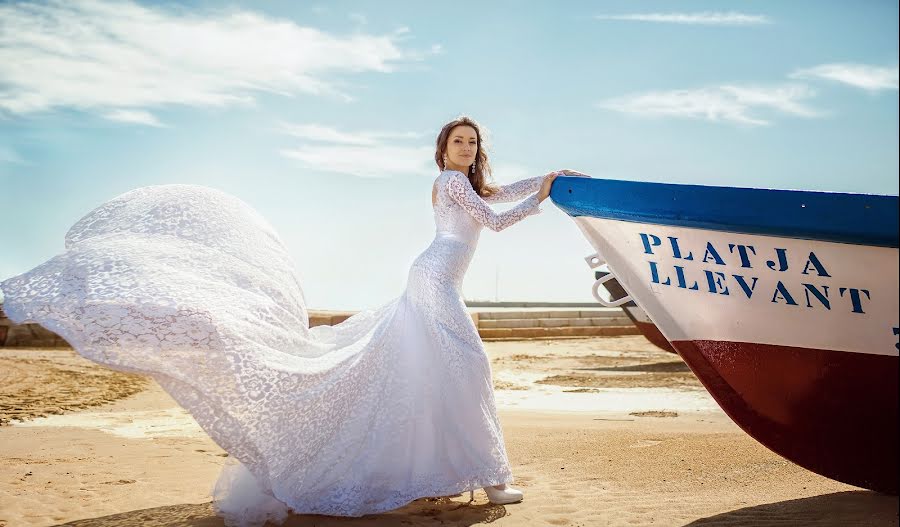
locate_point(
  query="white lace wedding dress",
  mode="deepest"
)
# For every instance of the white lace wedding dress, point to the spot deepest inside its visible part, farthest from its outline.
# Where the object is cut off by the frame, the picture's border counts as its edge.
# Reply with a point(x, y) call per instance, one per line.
point(191, 286)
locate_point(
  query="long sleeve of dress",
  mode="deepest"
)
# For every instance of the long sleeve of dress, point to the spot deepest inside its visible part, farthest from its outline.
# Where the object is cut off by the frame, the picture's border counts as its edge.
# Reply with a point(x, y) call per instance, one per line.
point(516, 191)
point(461, 191)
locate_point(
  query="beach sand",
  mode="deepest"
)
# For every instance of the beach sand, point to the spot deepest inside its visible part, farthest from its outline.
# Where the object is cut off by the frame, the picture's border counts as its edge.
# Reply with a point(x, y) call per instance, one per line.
point(601, 431)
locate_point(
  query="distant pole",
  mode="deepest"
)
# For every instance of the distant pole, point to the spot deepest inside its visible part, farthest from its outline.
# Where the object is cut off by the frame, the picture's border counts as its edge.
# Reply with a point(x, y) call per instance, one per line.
point(497, 284)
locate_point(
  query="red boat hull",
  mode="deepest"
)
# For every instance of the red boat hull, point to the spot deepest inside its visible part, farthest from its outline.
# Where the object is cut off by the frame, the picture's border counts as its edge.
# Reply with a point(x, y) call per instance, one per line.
point(651, 333)
point(832, 412)
point(636, 314)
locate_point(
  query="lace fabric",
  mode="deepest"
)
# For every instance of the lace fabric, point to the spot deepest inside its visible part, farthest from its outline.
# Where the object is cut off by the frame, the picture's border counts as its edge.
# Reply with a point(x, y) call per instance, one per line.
point(516, 191)
point(460, 191)
point(193, 287)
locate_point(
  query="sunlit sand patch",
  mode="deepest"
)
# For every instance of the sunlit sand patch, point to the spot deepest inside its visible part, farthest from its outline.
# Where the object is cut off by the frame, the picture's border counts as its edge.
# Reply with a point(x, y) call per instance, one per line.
point(623, 375)
point(555, 398)
point(171, 422)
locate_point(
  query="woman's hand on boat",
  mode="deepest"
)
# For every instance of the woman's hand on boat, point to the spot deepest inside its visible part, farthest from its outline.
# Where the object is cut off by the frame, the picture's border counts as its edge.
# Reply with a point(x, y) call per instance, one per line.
point(546, 184)
point(573, 173)
point(550, 176)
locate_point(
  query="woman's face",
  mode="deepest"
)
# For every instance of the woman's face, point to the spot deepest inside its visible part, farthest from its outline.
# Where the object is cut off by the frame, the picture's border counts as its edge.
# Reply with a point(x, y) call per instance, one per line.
point(462, 146)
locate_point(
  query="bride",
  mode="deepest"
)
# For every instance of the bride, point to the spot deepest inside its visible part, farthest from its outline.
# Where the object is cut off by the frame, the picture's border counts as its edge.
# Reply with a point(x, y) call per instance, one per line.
point(192, 287)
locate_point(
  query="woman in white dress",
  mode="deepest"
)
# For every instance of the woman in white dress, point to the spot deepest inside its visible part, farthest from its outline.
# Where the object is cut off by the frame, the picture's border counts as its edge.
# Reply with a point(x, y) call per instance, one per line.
point(192, 287)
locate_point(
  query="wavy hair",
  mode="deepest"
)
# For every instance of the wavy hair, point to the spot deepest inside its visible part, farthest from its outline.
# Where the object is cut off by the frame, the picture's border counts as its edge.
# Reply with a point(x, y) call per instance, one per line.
point(481, 179)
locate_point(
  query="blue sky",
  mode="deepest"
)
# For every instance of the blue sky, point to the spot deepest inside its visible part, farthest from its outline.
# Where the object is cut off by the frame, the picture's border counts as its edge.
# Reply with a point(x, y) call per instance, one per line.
point(323, 116)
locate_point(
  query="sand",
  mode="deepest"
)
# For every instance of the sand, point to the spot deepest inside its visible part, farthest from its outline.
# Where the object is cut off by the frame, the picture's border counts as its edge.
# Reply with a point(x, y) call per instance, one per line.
point(602, 431)
point(40, 382)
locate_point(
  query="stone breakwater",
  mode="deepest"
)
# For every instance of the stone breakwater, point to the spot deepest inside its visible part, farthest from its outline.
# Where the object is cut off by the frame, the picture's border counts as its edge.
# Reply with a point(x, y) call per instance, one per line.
point(36, 336)
point(27, 335)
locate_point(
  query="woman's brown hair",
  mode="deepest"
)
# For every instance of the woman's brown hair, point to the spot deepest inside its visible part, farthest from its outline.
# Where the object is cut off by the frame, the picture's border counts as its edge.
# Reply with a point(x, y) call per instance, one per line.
point(480, 179)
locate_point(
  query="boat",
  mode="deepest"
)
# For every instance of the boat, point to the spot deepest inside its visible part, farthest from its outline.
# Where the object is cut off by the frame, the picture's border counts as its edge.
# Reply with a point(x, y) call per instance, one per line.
point(784, 303)
point(634, 312)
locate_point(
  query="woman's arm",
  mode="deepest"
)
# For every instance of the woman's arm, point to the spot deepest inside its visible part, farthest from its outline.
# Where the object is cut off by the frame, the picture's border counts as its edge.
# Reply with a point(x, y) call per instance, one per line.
point(524, 187)
point(461, 191)
point(516, 191)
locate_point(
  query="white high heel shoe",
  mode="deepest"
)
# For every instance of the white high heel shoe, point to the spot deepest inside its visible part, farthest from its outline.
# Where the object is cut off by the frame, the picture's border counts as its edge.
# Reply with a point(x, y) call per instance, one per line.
point(500, 497)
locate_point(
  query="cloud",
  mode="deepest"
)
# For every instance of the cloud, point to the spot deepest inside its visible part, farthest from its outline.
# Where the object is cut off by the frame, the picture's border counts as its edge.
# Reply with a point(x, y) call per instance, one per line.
point(316, 132)
point(376, 153)
point(133, 116)
point(726, 103)
point(362, 154)
point(872, 78)
point(114, 57)
point(706, 18)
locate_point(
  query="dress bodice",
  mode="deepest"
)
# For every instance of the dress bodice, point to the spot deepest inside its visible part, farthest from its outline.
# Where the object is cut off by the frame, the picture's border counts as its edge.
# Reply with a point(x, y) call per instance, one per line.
point(460, 213)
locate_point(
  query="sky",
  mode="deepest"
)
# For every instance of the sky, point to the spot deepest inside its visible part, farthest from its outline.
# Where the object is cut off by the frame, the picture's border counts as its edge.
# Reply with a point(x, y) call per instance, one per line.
point(323, 117)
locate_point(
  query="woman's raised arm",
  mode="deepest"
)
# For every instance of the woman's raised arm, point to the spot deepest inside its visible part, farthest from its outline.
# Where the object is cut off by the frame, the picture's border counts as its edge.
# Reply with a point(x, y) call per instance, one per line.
point(461, 191)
